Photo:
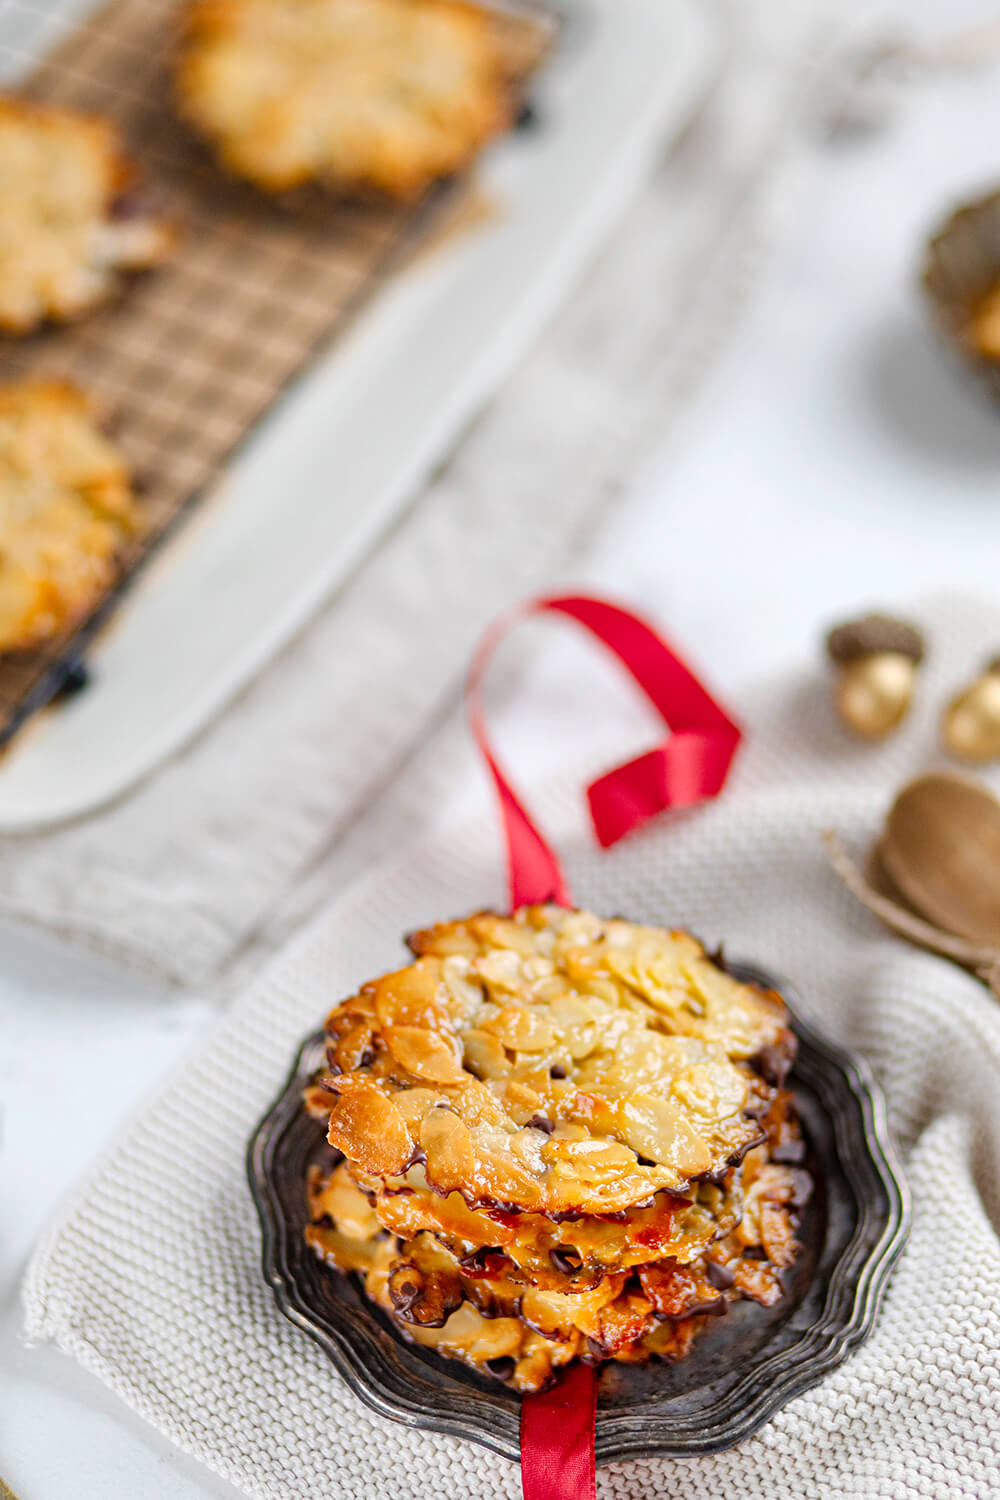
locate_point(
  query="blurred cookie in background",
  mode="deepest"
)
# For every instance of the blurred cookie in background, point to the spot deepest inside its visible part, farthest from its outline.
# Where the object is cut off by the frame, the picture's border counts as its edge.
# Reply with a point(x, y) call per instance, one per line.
point(358, 96)
point(73, 220)
point(67, 509)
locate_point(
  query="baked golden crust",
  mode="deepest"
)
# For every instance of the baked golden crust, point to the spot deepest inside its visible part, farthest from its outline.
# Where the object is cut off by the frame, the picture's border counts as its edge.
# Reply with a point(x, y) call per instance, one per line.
point(67, 230)
point(551, 1063)
point(66, 508)
point(667, 1228)
point(480, 1310)
point(357, 95)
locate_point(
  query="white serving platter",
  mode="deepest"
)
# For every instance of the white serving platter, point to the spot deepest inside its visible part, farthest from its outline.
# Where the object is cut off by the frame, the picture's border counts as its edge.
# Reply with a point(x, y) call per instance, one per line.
point(335, 461)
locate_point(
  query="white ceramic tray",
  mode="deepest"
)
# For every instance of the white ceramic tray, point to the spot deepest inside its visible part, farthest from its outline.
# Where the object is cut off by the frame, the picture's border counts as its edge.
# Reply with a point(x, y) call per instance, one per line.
point(334, 462)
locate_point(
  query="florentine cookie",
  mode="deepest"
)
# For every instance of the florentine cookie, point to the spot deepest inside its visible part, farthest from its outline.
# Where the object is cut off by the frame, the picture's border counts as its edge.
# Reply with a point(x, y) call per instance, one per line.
point(70, 223)
point(553, 1063)
point(356, 95)
point(66, 508)
point(479, 1310)
point(556, 1137)
point(568, 1251)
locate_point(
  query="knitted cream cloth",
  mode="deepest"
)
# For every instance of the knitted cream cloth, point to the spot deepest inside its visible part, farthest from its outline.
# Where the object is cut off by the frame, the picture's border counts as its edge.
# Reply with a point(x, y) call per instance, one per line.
point(151, 1276)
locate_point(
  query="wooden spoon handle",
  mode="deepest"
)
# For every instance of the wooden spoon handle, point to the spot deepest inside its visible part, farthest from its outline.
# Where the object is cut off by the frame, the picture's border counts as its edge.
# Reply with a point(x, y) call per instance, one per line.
point(990, 974)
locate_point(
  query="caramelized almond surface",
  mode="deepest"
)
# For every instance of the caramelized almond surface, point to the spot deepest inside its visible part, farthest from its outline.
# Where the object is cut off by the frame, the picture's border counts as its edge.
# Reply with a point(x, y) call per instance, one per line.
point(562, 1138)
point(553, 1063)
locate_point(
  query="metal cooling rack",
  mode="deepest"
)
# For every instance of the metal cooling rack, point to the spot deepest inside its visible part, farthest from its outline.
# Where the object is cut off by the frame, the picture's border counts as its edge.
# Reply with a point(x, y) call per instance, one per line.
point(196, 351)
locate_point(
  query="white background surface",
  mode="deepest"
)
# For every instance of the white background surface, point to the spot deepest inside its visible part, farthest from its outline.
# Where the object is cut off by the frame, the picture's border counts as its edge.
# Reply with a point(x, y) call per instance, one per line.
point(834, 461)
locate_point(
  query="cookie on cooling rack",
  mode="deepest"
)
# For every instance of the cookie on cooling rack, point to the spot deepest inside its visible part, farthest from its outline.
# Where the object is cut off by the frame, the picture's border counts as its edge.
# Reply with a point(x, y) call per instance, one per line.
point(355, 95)
point(66, 511)
point(71, 221)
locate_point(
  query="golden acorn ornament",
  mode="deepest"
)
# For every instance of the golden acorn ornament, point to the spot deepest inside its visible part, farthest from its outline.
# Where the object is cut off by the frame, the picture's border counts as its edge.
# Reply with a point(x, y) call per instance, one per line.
point(876, 660)
point(970, 727)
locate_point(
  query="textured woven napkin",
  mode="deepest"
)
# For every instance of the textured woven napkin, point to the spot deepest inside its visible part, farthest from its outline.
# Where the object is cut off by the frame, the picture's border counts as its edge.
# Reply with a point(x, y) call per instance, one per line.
point(151, 1276)
point(180, 872)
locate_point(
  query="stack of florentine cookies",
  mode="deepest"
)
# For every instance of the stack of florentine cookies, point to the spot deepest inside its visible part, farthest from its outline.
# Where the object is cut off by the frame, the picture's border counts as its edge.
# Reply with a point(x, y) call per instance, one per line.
point(557, 1137)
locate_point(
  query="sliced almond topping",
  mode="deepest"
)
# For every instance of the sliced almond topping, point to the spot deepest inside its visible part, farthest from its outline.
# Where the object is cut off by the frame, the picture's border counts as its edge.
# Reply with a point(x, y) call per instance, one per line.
point(518, 1097)
point(412, 996)
point(590, 1160)
point(425, 1054)
point(502, 1179)
point(413, 1104)
point(503, 932)
point(352, 1043)
point(447, 1144)
point(340, 1200)
point(484, 1055)
point(368, 1128)
point(656, 1128)
point(501, 971)
point(710, 1093)
point(584, 963)
point(520, 1029)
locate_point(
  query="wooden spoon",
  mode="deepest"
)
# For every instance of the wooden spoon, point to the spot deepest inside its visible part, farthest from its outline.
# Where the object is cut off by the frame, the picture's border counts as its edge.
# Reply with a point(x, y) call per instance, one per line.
point(941, 849)
point(934, 876)
point(982, 958)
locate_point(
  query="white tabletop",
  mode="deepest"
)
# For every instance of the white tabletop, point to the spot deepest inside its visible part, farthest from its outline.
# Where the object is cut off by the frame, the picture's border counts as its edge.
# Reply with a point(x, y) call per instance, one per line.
point(834, 461)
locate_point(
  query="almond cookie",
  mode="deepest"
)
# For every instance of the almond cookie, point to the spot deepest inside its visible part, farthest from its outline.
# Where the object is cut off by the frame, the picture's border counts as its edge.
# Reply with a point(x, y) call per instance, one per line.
point(557, 1138)
point(481, 1311)
point(71, 224)
point(568, 1251)
point(66, 510)
point(356, 95)
point(552, 1063)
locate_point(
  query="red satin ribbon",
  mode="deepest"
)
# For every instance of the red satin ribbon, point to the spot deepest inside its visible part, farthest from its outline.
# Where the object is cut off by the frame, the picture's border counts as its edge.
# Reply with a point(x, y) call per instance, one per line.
point(691, 764)
point(557, 1438)
point(557, 1426)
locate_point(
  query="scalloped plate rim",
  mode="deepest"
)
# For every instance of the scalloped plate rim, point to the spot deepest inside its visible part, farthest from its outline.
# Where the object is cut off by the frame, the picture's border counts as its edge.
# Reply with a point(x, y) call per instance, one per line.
point(800, 1368)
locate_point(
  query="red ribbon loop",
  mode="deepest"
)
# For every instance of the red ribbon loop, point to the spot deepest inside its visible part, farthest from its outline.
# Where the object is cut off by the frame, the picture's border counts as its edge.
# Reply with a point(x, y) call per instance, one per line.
point(691, 764)
point(557, 1426)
